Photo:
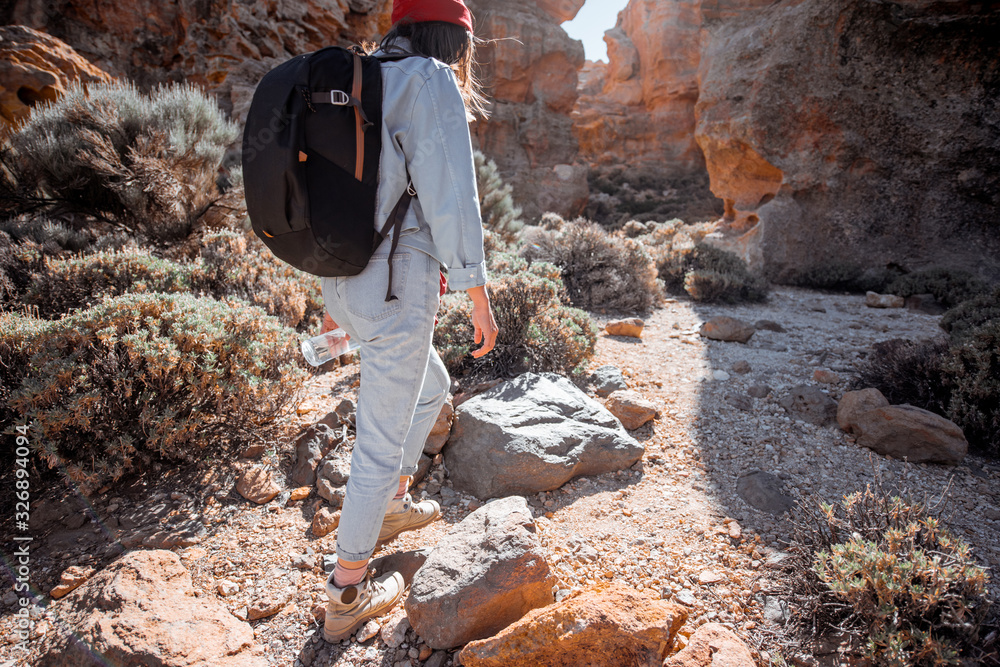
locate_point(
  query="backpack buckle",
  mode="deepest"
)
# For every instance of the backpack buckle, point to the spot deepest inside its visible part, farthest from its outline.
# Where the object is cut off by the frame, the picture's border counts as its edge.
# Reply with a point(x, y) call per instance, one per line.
point(338, 97)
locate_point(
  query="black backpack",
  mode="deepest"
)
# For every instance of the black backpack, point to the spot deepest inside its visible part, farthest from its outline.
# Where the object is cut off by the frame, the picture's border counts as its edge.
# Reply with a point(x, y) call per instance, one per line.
point(311, 151)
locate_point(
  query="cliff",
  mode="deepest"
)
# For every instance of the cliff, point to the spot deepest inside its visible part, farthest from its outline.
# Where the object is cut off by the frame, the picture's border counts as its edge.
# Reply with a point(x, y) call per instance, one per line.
point(530, 71)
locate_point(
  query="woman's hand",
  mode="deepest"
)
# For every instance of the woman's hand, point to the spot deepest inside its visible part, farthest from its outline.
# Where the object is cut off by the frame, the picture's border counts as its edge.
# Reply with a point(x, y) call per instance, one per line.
point(328, 323)
point(483, 322)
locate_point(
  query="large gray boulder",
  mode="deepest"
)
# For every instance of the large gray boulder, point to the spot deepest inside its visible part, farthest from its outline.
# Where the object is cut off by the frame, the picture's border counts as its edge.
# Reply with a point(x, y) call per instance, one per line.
point(532, 434)
point(486, 573)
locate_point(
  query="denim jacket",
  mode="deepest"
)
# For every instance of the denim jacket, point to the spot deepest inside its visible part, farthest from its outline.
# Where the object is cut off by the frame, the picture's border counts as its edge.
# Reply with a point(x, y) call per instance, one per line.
point(425, 133)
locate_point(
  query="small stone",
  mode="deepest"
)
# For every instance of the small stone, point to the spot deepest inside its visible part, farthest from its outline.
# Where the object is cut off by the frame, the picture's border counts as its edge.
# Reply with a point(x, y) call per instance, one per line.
point(876, 300)
point(441, 430)
point(265, 607)
point(346, 411)
point(425, 652)
point(300, 493)
point(735, 531)
point(329, 492)
point(367, 631)
point(686, 598)
point(810, 404)
point(924, 303)
point(336, 470)
point(631, 327)
point(721, 376)
point(727, 329)
point(824, 376)
point(324, 522)
point(71, 578)
point(303, 561)
point(768, 325)
point(763, 491)
point(257, 485)
point(710, 577)
point(759, 391)
point(739, 402)
point(631, 409)
point(713, 644)
point(742, 367)
point(607, 380)
point(394, 630)
point(253, 451)
point(856, 403)
point(227, 588)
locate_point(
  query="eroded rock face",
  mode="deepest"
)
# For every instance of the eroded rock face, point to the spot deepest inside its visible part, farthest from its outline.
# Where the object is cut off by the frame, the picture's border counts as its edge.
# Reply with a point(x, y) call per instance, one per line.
point(35, 67)
point(533, 82)
point(224, 46)
point(828, 151)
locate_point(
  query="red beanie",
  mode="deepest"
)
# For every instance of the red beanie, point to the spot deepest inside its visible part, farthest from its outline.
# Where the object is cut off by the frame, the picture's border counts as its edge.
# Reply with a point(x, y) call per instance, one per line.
point(449, 11)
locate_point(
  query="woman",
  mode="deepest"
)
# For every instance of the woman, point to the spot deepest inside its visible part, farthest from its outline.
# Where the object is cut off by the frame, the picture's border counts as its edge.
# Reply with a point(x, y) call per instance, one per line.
point(426, 142)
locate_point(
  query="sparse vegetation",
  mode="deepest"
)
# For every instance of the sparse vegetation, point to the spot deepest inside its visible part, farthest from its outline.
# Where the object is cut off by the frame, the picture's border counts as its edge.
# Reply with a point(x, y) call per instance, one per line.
point(845, 277)
point(886, 570)
point(707, 273)
point(111, 156)
point(496, 203)
point(964, 318)
point(142, 375)
point(601, 271)
point(537, 331)
point(950, 287)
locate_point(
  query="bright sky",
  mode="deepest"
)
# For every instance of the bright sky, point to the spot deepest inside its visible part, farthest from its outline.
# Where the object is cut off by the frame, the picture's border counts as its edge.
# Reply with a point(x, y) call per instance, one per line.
point(594, 18)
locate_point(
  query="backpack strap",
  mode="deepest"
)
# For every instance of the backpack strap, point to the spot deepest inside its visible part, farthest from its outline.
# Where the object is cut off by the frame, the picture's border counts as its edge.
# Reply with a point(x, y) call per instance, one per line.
point(395, 222)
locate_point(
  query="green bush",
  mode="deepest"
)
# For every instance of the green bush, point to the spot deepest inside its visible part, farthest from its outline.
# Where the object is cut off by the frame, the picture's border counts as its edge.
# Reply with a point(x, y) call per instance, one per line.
point(238, 264)
point(496, 203)
point(144, 164)
point(887, 570)
point(972, 369)
point(601, 271)
point(972, 313)
point(537, 332)
point(950, 287)
point(145, 375)
point(710, 274)
point(78, 282)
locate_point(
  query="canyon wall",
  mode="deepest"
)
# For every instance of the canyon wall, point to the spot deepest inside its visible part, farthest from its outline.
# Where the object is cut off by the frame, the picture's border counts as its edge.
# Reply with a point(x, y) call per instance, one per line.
point(837, 132)
point(853, 132)
point(223, 45)
point(530, 71)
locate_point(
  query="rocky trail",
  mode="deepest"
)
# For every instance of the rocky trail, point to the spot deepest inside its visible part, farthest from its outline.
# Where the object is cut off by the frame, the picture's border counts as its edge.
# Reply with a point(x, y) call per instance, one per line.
point(697, 521)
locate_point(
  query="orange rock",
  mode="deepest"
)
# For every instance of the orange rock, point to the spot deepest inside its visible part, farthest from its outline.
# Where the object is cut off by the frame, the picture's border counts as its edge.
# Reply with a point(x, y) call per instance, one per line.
point(631, 327)
point(35, 67)
point(325, 521)
point(631, 408)
point(713, 645)
point(608, 625)
point(71, 578)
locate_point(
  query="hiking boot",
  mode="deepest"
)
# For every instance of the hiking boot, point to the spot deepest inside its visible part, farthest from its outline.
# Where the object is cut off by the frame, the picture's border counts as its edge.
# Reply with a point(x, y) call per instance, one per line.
point(351, 606)
point(415, 515)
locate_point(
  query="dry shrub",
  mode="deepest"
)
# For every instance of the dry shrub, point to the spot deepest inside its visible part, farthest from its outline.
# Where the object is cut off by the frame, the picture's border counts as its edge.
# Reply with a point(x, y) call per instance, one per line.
point(949, 286)
point(496, 201)
point(68, 284)
point(19, 264)
point(601, 271)
point(844, 277)
point(144, 164)
point(907, 372)
point(537, 332)
point(887, 571)
point(238, 264)
point(972, 369)
point(145, 375)
point(972, 313)
point(710, 274)
point(52, 236)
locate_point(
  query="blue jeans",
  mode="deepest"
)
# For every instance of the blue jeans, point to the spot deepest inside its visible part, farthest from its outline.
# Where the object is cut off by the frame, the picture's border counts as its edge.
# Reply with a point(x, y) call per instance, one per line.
point(403, 383)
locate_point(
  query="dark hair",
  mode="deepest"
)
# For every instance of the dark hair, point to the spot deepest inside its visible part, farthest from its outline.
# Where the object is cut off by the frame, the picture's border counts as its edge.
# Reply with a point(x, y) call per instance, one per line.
point(450, 43)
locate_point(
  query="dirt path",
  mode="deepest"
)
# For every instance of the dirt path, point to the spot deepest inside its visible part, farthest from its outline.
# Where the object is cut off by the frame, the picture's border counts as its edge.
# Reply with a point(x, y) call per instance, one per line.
point(673, 524)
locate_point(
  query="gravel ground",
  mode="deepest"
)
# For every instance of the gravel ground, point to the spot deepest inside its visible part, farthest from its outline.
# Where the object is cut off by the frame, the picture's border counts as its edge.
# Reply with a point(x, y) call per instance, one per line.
point(673, 524)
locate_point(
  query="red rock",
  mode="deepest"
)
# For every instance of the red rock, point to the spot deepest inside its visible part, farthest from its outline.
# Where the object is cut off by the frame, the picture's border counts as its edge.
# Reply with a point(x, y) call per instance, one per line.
point(713, 645)
point(631, 409)
point(607, 626)
point(631, 327)
point(919, 436)
point(727, 329)
point(142, 609)
point(71, 579)
point(35, 67)
point(324, 522)
point(824, 376)
point(856, 403)
point(257, 485)
point(441, 430)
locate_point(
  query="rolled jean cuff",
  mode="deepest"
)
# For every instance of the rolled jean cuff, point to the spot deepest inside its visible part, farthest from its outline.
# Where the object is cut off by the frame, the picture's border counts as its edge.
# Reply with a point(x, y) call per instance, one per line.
point(351, 557)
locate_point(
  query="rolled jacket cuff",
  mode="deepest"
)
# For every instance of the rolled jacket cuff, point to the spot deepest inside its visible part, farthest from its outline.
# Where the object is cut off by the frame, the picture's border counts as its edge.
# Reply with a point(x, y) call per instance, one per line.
point(463, 278)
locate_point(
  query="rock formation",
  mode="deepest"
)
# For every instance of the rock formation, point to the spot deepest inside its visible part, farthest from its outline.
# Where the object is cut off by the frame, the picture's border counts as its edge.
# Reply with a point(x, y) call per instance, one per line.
point(531, 74)
point(223, 45)
point(851, 132)
point(35, 67)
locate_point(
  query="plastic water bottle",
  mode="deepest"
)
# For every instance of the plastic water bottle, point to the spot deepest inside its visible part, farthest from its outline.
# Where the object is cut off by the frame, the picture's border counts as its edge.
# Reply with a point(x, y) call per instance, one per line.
point(326, 346)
